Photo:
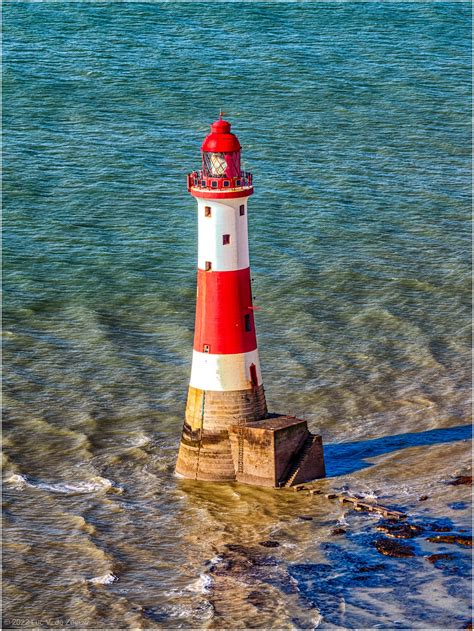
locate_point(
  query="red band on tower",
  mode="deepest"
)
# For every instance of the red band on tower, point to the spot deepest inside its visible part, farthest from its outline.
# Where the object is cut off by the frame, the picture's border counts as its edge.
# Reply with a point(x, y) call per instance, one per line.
point(224, 316)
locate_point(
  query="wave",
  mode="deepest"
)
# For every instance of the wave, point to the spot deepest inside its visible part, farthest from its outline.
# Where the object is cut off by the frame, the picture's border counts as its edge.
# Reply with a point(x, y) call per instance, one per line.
point(106, 579)
point(93, 485)
point(202, 585)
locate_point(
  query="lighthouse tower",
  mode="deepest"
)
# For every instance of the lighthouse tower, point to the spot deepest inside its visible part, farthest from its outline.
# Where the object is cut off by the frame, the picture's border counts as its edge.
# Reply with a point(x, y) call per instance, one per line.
point(226, 413)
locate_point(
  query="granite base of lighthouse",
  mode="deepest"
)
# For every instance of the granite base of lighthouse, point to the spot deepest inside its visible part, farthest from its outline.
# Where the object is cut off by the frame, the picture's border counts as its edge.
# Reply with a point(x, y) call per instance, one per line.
point(276, 451)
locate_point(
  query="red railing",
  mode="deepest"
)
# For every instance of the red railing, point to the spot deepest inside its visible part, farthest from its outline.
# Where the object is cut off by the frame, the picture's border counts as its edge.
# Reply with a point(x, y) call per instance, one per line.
point(197, 179)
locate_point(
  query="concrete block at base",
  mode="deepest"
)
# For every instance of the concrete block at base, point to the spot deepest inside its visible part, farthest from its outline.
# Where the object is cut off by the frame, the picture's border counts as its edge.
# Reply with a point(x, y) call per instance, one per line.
point(269, 452)
point(310, 466)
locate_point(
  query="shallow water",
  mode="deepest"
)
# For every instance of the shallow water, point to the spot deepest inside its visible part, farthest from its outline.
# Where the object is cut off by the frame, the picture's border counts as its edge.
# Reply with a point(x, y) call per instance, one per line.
point(354, 119)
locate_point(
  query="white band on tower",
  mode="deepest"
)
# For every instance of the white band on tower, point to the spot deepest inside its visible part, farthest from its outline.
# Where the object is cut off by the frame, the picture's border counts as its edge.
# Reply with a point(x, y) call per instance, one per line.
point(225, 372)
point(220, 221)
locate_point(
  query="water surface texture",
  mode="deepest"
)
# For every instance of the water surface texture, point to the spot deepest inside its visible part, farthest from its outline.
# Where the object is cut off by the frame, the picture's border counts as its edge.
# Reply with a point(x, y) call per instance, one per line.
point(355, 120)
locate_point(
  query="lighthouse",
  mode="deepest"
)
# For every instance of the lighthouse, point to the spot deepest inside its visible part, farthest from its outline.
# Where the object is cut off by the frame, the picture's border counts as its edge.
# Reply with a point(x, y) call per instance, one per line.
point(228, 433)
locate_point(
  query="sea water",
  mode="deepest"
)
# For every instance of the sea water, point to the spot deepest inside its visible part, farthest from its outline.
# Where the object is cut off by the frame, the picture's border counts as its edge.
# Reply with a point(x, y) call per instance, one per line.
point(355, 121)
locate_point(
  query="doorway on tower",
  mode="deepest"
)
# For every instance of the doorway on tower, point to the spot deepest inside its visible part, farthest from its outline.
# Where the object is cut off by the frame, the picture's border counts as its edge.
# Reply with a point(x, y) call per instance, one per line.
point(253, 375)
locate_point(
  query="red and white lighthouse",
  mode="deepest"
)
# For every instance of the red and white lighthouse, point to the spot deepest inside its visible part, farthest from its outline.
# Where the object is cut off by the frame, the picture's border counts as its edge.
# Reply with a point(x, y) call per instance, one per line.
point(226, 391)
point(225, 356)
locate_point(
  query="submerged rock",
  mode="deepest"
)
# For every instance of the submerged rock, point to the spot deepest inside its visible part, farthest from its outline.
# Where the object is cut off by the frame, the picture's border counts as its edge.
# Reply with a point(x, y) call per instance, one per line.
point(257, 598)
point(237, 547)
point(393, 548)
point(399, 530)
point(269, 544)
point(423, 498)
point(338, 531)
point(453, 563)
point(436, 527)
point(461, 540)
point(247, 564)
point(371, 568)
point(461, 479)
point(445, 556)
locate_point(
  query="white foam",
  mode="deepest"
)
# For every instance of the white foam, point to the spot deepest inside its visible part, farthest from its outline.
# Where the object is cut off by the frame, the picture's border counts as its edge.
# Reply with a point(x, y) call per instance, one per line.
point(106, 579)
point(368, 495)
point(178, 611)
point(139, 440)
point(94, 484)
point(202, 585)
point(73, 488)
point(17, 480)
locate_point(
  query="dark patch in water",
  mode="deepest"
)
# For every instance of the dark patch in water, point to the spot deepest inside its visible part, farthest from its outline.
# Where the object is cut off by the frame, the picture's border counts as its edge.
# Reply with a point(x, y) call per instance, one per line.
point(393, 548)
point(155, 614)
point(461, 540)
point(258, 598)
point(248, 555)
point(444, 561)
point(338, 531)
point(372, 568)
point(458, 505)
point(399, 530)
point(250, 565)
point(461, 479)
point(438, 527)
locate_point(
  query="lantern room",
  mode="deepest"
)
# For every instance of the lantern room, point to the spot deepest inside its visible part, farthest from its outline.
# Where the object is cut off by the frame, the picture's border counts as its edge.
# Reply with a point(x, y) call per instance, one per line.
point(221, 152)
point(221, 170)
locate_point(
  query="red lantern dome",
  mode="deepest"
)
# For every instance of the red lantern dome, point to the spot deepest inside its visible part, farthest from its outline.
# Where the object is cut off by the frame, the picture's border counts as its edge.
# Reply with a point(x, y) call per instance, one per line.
point(221, 175)
point(221, 139)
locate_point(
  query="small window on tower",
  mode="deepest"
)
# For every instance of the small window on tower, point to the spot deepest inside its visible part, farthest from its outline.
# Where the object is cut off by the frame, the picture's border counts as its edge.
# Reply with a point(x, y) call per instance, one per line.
point(242, 209)
point(208, 266)
point(226, 183)
point(225, 239)
point(248, 324)
point(206, 348)
point(207, 211)
point(214, 184)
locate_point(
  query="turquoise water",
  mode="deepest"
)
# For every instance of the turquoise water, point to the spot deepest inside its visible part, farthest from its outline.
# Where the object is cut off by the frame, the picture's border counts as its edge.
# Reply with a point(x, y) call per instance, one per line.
point(355, 121)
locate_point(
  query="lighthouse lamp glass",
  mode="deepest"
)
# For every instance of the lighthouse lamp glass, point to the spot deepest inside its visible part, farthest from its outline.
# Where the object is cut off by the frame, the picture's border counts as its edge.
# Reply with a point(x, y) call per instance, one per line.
point(215, 163)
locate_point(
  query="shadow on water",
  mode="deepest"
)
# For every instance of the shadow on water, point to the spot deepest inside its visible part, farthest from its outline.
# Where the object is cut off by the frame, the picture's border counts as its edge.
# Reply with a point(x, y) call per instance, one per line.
point(345, 458)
